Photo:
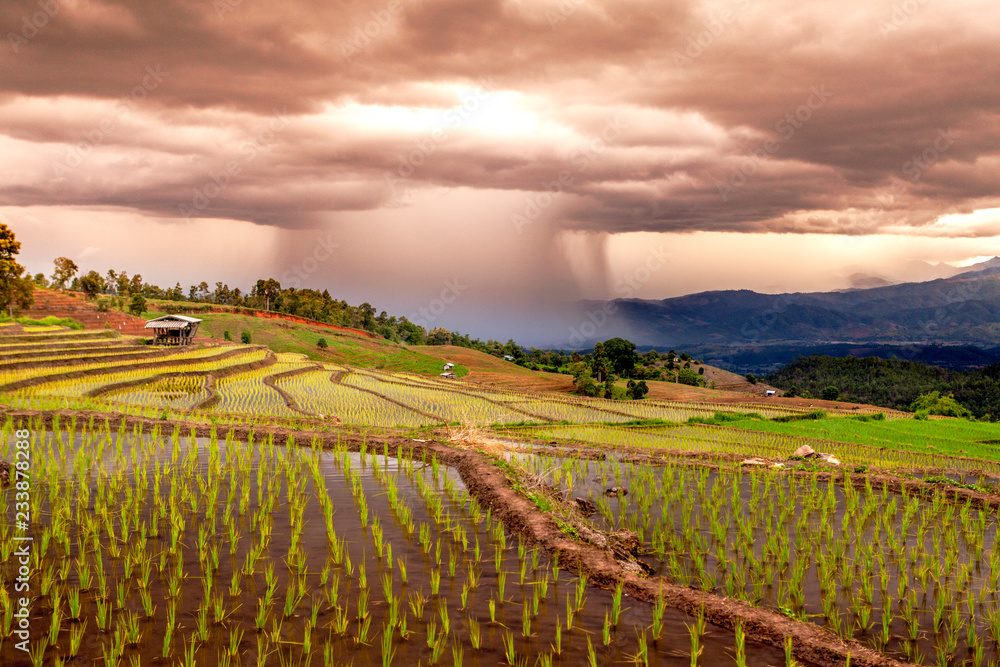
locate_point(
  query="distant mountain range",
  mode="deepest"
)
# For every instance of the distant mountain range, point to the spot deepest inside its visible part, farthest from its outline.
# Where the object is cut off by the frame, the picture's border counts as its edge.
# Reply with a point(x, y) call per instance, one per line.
point(915, 319)
point(913, 272)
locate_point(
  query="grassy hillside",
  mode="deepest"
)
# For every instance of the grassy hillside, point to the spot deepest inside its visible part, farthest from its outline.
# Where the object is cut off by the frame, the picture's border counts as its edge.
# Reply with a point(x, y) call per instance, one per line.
point(283, 336)
point(487, 369)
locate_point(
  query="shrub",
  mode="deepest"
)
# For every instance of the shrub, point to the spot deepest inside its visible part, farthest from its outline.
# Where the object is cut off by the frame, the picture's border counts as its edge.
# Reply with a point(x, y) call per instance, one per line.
point(322, 344)
point(49, 321)
point(586, 385)
point(245, 337)
point(936, 404)
point(815, 414)
point(751, 378)
point(689, 377)
point(137, 305)
point(226, 335)
point(637, 390)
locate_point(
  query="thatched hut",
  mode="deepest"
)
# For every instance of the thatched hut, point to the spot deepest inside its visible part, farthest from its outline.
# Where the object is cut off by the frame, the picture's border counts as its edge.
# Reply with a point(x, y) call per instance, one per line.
point(173, 329)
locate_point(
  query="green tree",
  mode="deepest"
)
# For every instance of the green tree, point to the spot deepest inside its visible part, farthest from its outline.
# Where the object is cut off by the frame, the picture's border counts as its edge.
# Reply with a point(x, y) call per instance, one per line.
point(599, 366)
point(751, 378)
point(266, 290)
point(245, 337)
point(122, 282)
point(621, 355)
point(65, 269)
point(92, 284)
point(137, 304)
point(831, 393)
point(439, 336)
point(16, 290)
point(322, 344)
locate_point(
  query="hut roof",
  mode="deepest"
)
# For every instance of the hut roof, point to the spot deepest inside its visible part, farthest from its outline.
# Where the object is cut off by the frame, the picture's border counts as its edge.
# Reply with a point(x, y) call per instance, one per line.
point(171, 322)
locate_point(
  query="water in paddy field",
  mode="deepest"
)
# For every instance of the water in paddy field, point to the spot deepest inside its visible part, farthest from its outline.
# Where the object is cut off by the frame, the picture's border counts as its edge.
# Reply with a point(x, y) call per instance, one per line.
point(214, 551)
point(913, 577)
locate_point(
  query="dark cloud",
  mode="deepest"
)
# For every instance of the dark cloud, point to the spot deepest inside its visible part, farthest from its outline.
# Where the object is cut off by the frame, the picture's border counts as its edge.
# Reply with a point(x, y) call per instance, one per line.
point(727, 115)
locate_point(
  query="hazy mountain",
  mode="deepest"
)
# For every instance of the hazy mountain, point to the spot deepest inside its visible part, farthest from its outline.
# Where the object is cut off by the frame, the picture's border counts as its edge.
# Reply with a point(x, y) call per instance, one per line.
point(913, 271)
point(988, 265)
point(960, 310)
point(866, 281)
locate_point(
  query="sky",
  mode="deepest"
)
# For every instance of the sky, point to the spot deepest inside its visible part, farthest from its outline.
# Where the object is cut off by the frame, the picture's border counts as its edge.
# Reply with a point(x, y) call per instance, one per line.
point(478, 164)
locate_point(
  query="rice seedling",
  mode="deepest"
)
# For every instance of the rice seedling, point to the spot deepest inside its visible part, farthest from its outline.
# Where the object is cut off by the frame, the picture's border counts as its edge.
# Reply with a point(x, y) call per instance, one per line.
point(696, 630)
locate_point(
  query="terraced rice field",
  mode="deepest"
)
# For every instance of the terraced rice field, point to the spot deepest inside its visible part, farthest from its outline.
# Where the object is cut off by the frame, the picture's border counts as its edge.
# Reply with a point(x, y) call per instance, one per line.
point(165, 549)
point(247, 393)
point(911, 576)
point(315, 392)
point(179, 393)
point(447, 406)
point(89, 352)
point(17, 374)
point(81, 386)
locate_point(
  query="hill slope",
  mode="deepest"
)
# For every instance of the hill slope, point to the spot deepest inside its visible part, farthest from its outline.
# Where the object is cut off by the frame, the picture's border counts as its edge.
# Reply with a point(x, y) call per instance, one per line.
point(68, 304)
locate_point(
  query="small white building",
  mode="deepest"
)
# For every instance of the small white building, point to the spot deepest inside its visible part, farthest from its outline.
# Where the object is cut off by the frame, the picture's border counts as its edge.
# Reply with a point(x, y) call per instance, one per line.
point(507, 357)
point(448, 366)
point(770, 392)
point(449, 376)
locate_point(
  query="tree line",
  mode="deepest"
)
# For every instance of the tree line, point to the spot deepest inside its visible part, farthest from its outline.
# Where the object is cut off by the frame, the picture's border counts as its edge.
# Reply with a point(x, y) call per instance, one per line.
point(891, 383)
point(119, 290)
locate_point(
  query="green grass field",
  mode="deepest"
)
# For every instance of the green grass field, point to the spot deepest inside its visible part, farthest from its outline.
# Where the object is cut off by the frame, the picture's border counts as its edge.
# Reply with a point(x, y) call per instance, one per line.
point(953, 437)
